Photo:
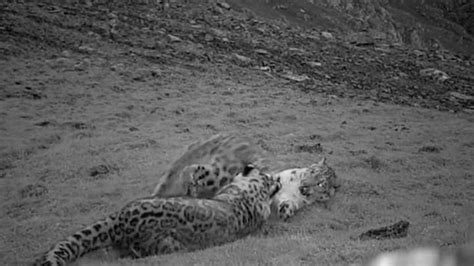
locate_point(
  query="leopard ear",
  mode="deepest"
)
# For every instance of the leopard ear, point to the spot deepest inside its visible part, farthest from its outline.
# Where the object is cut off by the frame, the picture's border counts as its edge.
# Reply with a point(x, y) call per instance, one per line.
point(322, 162)
point(247, 169)
point(319, 164)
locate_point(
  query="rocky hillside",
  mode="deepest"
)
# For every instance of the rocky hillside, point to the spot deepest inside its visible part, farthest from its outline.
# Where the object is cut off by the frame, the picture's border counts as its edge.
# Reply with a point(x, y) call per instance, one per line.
point(440, 24)
point(316, 46)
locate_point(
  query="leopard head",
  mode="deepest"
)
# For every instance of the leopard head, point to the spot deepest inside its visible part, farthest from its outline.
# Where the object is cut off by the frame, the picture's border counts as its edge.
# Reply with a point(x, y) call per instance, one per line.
point(319, 182)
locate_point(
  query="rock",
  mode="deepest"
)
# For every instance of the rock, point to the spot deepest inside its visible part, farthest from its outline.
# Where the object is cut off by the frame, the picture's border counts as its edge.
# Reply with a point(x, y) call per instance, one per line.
point(66, 53)
point(264, 68)
point(361, 39)
point(118, 66)
point(294, 77)
point(99, 170)
point(208, 38)
point(419, 53)
point(242, 59)
point(327, 35)
point(261, 51)
point(173, 38)
point(434, 74)
point(460, 96)
point(469, 110)
point(314, 64)
point(61, 61)
point(294, 50)
point(218, 10)
point(223, 5)
point(218, 33)
point(86, 49)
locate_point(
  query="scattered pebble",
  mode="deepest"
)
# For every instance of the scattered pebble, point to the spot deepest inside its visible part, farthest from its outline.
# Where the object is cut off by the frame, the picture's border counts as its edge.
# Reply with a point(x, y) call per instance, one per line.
point(435, 74)
point(99, 170)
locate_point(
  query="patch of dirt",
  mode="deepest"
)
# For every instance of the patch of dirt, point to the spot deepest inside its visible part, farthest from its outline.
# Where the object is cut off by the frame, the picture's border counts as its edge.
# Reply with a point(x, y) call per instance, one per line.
point(97, 100)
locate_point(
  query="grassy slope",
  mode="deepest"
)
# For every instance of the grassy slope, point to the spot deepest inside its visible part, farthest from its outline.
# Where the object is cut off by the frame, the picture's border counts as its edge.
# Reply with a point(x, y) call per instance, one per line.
point(374, 149)
point(139, 117)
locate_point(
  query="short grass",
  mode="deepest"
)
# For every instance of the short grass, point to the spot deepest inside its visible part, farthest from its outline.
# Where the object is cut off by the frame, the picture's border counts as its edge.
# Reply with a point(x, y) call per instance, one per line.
point(394, 162)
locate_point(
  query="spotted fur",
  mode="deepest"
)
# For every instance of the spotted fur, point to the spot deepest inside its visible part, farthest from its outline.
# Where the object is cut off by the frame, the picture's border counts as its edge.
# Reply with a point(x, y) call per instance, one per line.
point(151, 226)
point(207, 166)
point(304, 186)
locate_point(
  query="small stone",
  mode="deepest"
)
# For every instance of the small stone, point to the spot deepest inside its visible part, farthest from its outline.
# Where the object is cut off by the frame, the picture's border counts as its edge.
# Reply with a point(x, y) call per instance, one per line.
point(461, 96)
point(219, 10)
point(99, 170)
point(261, 51)
point(223, 5)
point(294, 77)
point(173, 38)
point(86, 49)
point(208, 38)
point(66, 53)
point(314, 64)
point(435, 74)
point(242, 59)
point(294, 50)
point(418, 53)
point(469, 110)
point(218, 33)
point(327, 35)
point(116, 67)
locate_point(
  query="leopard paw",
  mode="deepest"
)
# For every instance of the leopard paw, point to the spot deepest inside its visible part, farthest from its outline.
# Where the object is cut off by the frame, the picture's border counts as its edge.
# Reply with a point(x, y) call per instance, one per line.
point(285, 211)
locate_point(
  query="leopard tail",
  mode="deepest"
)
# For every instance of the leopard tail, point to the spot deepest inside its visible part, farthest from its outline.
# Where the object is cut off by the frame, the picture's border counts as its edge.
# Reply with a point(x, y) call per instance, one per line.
point(101, 234)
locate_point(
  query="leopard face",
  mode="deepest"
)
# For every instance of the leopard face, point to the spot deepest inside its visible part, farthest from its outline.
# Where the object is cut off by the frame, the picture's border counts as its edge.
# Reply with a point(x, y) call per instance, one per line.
point(319, 183)
point(304, 186)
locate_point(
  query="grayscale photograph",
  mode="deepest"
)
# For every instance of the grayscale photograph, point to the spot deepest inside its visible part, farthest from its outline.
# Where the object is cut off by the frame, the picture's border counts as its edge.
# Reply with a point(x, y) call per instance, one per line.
point(237, 132)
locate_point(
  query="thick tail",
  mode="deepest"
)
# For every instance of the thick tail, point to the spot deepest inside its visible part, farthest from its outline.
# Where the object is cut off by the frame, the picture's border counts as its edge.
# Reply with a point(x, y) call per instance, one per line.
point(101, 234)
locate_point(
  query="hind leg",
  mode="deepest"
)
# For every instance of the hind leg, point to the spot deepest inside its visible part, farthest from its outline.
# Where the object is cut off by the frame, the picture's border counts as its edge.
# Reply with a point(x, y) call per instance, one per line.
point(165, 246)
point(160, 245)
point(170, 245)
